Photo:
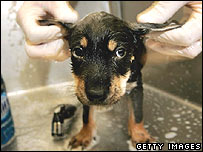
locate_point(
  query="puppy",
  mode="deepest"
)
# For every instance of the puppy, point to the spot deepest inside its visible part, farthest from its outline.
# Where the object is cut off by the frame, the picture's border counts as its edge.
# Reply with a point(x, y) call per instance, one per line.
point(106, 54)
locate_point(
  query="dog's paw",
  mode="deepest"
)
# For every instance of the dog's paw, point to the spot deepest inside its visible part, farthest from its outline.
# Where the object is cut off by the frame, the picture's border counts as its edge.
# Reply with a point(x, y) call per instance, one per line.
point(79, 141)
point(140, 135)
point(84, 140)
point(81, 147)
point(141, 138)
point(132, 147)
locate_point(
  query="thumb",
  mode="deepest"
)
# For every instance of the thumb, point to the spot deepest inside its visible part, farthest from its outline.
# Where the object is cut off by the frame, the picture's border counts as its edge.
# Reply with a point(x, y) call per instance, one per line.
point(160, 12)
point(173, 50)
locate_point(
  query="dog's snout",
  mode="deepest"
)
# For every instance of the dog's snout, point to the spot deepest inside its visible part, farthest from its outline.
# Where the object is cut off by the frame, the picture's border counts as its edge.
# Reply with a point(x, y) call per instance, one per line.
point(96, 94)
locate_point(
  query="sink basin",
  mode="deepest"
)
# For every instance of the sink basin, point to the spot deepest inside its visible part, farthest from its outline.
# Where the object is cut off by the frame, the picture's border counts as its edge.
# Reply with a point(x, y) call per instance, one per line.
point(168, 119)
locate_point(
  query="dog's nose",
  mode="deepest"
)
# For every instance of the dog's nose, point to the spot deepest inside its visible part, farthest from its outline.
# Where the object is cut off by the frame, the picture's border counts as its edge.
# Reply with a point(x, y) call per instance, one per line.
point(96, 94)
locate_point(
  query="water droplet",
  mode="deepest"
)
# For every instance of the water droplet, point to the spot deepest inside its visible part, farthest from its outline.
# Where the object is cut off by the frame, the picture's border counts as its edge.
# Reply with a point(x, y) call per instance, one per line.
point(120, 126)
point(174, 129)
point(178, 119)
point(170, 135)
point(176, 115)
point(160, 118)
point(146, 126)
point(188, 136)
point(30, 66)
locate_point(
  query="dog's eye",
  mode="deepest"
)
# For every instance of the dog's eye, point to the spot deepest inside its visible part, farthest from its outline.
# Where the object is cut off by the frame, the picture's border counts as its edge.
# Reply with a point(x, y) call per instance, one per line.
point(78, 52)
point(120, 53)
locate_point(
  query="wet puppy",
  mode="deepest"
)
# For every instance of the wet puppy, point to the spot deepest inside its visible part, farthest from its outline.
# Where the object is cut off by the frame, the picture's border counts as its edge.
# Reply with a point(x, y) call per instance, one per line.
point(107, 53)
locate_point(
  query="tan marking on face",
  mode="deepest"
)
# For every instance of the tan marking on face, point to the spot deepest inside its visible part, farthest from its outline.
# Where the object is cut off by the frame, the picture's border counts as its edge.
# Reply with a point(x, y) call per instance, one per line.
point(83, 42)
point(112, 45)
point(118, 87)
point(132, 58)
point(80, 89)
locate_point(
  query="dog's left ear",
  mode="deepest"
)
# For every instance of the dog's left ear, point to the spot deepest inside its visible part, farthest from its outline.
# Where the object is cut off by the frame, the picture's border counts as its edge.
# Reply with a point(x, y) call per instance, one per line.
point(66, 28)
point(145, 28)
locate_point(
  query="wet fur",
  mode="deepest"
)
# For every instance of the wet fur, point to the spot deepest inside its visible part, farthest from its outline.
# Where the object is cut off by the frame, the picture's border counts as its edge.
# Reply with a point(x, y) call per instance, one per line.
point(99, 62)
point(100, 35)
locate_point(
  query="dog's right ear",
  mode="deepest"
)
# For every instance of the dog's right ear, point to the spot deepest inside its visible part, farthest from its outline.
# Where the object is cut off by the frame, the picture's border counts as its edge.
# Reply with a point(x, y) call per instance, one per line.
point(145, 28)
point(66, 28)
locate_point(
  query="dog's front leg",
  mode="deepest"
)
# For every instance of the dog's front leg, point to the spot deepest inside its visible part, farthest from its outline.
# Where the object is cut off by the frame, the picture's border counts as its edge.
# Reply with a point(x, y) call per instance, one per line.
point(135, 124)
point(85, 136)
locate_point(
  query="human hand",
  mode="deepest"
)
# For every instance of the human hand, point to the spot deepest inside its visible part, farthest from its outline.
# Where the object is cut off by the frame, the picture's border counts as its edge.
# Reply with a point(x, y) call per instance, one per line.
point(45, 41)
point(185, 41)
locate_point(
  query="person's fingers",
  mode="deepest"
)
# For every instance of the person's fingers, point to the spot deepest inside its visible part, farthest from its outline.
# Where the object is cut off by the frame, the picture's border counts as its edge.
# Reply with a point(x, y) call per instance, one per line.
point(64, 12)
point(47, 50)
point(174, 50)
point(27, 18)
point(160, 12)
point(64, 52)
point(189, 33)
point(41, 34)
point(63, 55)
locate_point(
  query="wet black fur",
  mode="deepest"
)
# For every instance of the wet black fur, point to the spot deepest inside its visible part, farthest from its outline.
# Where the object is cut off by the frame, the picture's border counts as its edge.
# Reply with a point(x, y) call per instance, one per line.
point(99, 64)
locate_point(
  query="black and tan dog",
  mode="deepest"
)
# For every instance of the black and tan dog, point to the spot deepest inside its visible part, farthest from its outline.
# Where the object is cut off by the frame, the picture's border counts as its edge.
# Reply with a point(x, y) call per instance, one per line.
point(107, 53)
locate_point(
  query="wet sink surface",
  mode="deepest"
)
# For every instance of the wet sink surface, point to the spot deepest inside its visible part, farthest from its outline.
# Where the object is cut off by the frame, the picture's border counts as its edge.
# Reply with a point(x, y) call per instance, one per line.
point(167, 118)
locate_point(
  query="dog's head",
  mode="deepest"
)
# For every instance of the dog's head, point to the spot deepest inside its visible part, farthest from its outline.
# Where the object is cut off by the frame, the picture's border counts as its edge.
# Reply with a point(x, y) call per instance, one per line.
point(103, 48)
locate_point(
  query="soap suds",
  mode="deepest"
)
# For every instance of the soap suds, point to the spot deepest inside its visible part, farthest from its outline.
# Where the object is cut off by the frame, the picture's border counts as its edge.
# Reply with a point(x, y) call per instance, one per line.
point(170, 135)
